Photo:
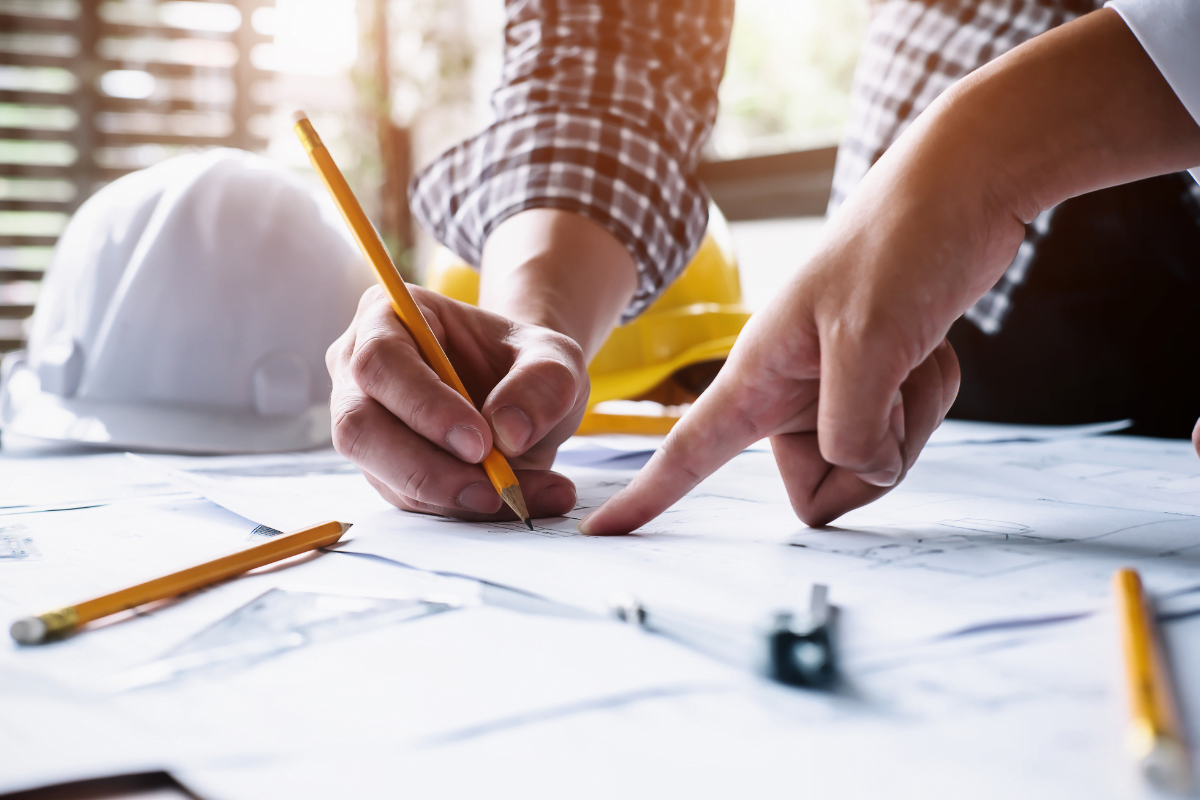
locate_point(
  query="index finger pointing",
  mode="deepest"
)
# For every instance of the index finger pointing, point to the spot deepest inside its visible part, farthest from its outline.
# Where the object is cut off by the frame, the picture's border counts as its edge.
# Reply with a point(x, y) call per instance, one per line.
point(713, 431)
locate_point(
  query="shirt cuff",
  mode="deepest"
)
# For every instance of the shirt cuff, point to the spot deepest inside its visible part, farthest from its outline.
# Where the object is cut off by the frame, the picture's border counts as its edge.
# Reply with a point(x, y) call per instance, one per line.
point(1169, 31)
point(603, 169)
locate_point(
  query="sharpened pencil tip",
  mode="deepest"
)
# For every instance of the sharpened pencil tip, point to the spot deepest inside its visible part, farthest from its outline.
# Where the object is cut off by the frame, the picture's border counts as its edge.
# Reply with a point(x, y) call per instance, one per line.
point(512, 497)
point(529, 524)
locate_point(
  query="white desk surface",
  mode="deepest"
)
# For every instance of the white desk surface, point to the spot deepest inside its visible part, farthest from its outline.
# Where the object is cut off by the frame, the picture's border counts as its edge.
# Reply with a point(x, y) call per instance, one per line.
point(978, 647)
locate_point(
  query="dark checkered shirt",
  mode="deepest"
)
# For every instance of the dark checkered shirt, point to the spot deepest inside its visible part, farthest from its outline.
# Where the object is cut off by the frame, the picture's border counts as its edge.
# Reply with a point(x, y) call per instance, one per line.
point(604, 106)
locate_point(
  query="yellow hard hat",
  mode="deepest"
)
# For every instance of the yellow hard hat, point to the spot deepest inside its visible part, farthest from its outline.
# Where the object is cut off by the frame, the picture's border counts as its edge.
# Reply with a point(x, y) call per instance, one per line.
point(669, 353)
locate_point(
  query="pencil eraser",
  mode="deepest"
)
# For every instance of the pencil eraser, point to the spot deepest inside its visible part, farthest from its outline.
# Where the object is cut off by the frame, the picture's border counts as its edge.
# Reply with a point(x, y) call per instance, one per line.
point(298, 115)
point(30, 630)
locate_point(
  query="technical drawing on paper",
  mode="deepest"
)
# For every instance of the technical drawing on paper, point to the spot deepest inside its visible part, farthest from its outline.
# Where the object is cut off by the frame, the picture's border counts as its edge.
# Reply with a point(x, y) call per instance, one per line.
point(276, 622)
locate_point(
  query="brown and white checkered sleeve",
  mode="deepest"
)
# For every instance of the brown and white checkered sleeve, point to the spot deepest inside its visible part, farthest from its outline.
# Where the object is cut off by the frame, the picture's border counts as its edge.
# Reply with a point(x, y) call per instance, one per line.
point(602, 110)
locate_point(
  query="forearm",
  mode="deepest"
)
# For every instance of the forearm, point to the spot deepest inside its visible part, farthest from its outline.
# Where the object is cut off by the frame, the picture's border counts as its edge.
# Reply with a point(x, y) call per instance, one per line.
point(602, 111)
point(559, 270)
point(1075, 110)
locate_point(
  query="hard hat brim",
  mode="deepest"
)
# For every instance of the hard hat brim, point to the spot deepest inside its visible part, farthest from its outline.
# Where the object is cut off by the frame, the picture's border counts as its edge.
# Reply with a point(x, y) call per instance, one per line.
point(27, 411)
point(634, 383)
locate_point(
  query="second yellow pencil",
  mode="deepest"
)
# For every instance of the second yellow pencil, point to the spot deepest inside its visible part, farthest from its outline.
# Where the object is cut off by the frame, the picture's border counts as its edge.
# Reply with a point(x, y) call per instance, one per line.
point(62, 621)
point(1155, 733)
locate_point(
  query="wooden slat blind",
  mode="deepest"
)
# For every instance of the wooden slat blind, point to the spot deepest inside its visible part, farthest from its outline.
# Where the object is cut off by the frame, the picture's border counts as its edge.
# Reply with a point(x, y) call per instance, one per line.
point(90, 91)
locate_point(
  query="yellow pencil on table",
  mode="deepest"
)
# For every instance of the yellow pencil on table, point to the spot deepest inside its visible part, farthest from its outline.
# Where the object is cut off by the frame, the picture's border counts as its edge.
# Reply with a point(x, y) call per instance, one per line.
point(496, 467)
point(1155, 732)
point(58, 623)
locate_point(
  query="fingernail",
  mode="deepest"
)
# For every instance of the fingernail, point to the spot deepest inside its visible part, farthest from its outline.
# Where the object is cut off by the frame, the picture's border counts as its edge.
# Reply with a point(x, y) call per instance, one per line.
point(884, 478)
point(896, 418)
point(555, 501)
point(512, 427)
point(582, 527)
point(466, 443)
point(481, 497)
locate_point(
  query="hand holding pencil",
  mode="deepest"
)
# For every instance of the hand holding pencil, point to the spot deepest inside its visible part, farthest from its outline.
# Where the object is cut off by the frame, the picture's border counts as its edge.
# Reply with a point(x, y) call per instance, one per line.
point(402, 414)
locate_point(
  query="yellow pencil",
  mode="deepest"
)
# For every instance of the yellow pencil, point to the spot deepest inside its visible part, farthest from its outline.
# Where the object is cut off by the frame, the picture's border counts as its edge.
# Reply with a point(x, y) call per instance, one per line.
point(496, 467)
point(1155, 735)
point(58, 623)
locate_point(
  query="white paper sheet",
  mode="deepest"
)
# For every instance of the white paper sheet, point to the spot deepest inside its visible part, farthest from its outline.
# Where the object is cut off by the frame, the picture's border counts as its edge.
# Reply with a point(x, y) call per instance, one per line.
point(287, 492)
point(980, 529)
point(977, 643)
point(958, 589)
point(501, 659)
point(632, 452)
point(29, 482)
point(291, 490)
point(1009, 717)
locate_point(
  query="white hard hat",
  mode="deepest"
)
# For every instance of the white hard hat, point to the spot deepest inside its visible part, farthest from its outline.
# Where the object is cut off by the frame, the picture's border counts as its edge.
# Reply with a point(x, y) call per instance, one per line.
point(188, 308)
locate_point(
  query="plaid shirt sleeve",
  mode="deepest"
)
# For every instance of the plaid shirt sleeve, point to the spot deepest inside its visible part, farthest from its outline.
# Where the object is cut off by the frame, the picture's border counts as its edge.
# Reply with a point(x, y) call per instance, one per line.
point(914, 51)
point(602, 110)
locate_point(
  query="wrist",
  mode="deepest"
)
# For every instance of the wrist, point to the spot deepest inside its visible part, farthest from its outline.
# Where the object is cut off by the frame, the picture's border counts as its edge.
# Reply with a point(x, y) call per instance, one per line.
point(524, 292)
point(558, 270)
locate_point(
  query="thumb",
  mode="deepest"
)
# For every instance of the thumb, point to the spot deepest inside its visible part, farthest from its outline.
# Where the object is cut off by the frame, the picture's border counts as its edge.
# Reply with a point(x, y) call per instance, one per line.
point(714, 430)
point(860, 414)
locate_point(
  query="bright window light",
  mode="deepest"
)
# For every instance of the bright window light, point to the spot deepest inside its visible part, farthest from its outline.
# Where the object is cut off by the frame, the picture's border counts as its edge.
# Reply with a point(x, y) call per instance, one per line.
point(314, 37)
point(263, 20)
point(37, 79)
point(201, 16)
point(130, 83)
point(185, 14)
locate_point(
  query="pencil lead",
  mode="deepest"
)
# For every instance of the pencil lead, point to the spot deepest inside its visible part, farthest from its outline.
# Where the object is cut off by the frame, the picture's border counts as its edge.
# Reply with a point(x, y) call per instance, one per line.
point(529, 523)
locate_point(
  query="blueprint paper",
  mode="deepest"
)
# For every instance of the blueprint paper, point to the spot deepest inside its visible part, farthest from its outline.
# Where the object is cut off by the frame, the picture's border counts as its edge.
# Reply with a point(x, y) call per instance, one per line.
point(292, 490)
point(492, 663)
point(617, 451)
point(1019, 527)
point(274, 623)
point(1041, 718)
point(978, 646)
point(1032, 526)
point(977, 632)
point(31, 483)
point(426, 680)
point(286, 492)
point(957, 431)
point(42, 719)
point(632, 452)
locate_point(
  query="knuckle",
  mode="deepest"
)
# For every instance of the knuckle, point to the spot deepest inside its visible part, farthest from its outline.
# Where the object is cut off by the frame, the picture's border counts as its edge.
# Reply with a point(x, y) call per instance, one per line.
point(572, 351)
point(418, 413)
point(351, 421)
point(368, 361)
point(367, 301)
point(745, 418)
point(372, 296)
point(418, 484)
point(678, 459)
point(334, 353)
point(557, 380)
